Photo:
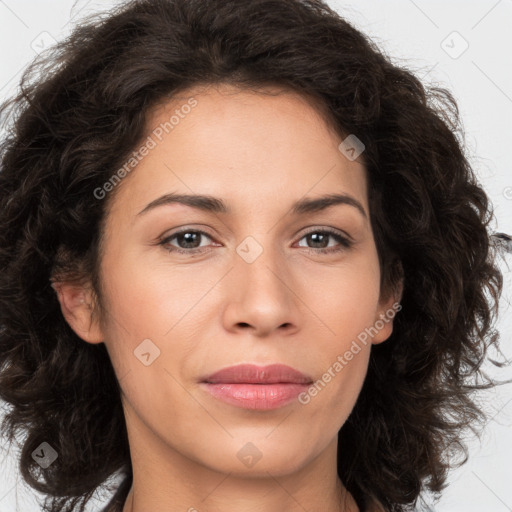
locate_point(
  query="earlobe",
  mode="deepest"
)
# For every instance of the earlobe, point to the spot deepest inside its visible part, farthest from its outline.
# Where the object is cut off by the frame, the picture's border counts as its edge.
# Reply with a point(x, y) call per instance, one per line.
point(77, 308)
point(382, 328)
point(386, 313)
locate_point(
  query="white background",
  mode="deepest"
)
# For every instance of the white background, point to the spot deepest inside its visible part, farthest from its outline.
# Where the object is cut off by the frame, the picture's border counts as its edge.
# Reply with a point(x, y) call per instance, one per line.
point(420, 35)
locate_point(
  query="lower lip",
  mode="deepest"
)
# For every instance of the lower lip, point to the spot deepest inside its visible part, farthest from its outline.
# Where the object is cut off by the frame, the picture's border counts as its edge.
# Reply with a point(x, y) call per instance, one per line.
point(256, 396)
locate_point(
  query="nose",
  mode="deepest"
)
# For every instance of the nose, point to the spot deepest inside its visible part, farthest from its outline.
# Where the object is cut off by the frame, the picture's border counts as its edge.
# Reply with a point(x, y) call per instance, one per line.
point(261, 295)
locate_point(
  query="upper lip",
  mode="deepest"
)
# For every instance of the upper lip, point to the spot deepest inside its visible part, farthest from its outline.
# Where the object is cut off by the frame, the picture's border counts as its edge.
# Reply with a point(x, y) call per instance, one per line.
point(254, 374)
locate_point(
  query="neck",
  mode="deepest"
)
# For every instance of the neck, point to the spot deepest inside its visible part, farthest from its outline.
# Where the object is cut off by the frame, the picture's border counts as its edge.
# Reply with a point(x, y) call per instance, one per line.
point(278, 500)
point(166, 480)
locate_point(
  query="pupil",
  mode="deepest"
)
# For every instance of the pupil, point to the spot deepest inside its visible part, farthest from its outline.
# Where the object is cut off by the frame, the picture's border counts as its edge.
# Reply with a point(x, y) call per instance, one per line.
point(188, 237)
point(318, 236)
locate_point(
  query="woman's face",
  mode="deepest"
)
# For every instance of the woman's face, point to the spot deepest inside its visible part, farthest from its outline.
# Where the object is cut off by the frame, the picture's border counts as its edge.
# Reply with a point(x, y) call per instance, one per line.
point(255, 288)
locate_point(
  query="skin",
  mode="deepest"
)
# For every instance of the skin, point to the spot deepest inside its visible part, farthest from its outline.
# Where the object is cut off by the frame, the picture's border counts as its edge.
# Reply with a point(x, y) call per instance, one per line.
point(292, 305)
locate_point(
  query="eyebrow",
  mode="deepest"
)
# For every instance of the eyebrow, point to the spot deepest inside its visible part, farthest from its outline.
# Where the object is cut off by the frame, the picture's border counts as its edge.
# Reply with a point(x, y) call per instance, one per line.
point(216, 205)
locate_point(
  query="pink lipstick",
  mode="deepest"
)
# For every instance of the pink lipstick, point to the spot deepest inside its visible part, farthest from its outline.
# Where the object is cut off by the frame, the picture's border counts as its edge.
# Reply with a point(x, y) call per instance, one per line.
point(257, 387)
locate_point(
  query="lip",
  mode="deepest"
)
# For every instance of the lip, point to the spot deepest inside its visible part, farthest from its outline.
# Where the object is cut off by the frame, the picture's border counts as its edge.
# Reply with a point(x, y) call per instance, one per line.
point(254, 374)
point(257, 387)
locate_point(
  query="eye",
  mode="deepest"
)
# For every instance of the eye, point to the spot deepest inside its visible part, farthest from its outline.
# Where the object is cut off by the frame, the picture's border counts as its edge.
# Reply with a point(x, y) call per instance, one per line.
point(320, 240)
point(188, 240)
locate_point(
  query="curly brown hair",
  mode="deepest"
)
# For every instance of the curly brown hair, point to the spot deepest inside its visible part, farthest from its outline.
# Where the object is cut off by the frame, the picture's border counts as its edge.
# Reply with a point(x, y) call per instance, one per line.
point(81, 112)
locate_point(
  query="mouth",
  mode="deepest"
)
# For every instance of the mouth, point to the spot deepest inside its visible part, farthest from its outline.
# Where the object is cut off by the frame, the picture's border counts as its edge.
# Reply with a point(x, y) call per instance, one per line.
point(254, 374)
point(255, 387)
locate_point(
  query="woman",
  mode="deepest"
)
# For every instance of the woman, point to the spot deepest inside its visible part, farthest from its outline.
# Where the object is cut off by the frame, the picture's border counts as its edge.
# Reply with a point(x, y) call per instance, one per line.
point(246, 265)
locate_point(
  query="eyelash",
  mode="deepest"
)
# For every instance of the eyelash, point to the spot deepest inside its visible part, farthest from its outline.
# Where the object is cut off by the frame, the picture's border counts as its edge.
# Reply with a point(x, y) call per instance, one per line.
point(345, 243)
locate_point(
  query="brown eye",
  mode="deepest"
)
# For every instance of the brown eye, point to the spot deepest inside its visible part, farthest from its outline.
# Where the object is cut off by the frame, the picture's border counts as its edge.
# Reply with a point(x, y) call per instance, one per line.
point(319, 239)
point(188, 241)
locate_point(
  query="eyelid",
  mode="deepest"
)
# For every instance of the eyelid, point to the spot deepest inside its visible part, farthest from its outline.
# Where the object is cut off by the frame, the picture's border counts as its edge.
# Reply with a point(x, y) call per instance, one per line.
point(310, 229)
point(345, 240)
point(328, 229)
point(162, 240)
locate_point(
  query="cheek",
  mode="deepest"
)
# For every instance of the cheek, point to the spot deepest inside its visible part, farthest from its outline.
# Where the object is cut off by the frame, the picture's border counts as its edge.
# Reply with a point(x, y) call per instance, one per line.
point(148, 299)
point(346, 298)
point(159, 303)
point(347, 309)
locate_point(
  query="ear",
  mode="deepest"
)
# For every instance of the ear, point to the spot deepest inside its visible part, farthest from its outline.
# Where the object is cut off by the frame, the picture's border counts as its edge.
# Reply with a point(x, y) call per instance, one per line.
point(389, 306)
point(77, 306)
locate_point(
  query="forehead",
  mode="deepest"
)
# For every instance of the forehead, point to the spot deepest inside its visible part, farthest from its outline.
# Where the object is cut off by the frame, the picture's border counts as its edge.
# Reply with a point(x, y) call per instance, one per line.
point(219, 97)
point(226, 141)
